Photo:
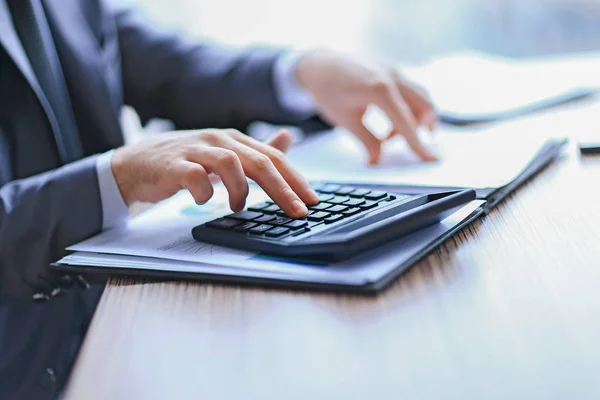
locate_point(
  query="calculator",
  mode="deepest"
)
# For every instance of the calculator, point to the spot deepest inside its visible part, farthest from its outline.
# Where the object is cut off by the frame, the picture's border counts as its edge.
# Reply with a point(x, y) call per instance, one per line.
point(347, 220)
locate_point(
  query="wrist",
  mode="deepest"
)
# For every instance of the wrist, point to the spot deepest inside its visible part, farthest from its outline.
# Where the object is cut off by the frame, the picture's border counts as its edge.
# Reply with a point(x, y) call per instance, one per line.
point(119, 169)
point(291, 96)
point(300, 70)
point(114, 208)
point(306, 66)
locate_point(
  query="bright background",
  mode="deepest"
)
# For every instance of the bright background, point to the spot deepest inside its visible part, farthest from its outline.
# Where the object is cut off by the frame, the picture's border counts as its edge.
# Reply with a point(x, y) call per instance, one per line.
point(405, 31)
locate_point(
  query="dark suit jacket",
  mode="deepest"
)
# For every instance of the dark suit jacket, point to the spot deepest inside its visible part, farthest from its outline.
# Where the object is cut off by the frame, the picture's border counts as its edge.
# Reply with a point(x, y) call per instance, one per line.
point(110, 57)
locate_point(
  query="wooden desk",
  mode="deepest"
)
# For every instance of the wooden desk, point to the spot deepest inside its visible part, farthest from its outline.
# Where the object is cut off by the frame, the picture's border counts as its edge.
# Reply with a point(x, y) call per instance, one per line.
point(509, 308)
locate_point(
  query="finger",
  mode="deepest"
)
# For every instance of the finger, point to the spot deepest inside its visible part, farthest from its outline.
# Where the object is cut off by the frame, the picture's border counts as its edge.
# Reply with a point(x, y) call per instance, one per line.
point(424, 139)
point(391, 134)
point(430, 120)
point(227, 165)
point(284, 168)
point(388, 98)
point(195, 179)
point(368, 139)
point(420, 105)
point(282, 140)
point(417, 99)
point(259, 167)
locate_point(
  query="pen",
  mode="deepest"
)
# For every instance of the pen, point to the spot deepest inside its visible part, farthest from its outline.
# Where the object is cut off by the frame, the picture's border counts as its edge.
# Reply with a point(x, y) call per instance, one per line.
point(589, 148)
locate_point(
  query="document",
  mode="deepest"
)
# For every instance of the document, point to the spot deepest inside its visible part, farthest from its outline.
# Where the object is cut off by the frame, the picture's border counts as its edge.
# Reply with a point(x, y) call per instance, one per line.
point(163, 236)
point(161, 240)
point(477, 86)
point(474, 157)
point(165, 231)
point(478, 156)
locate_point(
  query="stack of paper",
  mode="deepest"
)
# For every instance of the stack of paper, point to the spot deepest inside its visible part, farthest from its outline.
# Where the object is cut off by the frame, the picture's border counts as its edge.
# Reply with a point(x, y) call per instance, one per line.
point(161, 240)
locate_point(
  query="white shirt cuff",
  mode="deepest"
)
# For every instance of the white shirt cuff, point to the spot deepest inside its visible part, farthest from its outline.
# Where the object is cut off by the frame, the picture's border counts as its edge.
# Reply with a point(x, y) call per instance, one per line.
point(291, 96)
point(114, 209)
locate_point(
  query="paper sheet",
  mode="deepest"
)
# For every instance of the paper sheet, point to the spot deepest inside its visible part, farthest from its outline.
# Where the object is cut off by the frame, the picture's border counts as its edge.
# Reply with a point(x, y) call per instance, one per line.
point(165, 231)
point(475, 157)
point(471, 85)
point(369, 266)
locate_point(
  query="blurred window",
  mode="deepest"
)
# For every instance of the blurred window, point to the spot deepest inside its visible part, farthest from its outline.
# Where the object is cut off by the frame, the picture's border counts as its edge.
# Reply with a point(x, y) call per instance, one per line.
point(393, 30)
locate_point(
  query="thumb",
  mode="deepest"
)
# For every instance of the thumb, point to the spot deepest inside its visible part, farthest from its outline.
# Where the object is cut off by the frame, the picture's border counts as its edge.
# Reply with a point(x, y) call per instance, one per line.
point(282, 140)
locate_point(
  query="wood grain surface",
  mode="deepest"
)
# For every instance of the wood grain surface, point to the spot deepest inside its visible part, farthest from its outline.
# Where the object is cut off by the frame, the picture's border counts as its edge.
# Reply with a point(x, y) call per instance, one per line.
point(508, 308)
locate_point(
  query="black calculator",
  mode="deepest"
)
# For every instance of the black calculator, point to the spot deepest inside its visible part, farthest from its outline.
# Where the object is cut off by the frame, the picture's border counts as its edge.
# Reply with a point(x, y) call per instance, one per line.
point(346, 221)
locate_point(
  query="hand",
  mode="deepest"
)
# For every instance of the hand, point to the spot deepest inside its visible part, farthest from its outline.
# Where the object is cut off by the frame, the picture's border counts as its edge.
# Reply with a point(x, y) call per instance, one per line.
point(343, 88)
point(156, 169)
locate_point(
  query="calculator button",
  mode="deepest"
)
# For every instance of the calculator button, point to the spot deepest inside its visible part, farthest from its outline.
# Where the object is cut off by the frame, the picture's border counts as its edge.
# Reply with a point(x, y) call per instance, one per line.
point(360, 193)
point(375, 195)
point(337, 200)
point(277, 232)
point(345, 190)
point(317, 215)
point(265, 218)
point(351, 211)
point(337, 209)
point(329, 189)
point(300, 232)
point(296, 224)
point(223, 223)
point(354, 202)
point(272, 209)
point(260, 229)
point(319, 207)
point(312, 224)
point(280, 220)
point(245, 226)
point(245, 215)
point(333, 218)
point(259, 206)
point(325, 197)
point(368, 205)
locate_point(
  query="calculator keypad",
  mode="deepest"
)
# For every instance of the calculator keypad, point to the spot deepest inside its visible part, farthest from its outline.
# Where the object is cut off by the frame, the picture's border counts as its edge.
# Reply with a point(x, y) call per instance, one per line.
point(336, 204)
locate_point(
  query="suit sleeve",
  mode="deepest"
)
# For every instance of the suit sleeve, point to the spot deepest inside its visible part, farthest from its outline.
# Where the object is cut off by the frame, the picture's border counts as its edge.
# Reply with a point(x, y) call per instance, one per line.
point(195, 85)
point(39, 217)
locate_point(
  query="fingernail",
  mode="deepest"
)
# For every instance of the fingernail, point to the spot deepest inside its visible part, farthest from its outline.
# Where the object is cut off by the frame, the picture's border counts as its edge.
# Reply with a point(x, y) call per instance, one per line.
point(299, 208)
point(239, 207)
point(374, 159)
point(430, 157)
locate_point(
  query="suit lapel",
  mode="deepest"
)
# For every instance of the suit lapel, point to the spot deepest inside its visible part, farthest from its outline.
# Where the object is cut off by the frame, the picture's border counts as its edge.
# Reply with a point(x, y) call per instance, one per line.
point(83, 64)
point(12, 44)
